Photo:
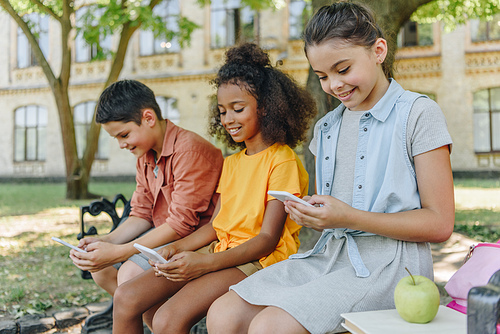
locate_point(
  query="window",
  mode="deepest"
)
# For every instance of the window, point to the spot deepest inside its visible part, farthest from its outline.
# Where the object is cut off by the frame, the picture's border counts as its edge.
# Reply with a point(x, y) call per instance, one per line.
point(230, 24)
point(299, 12)
point(30, 131)
point(485, 30)
point(415, 34)
point(40, 26)
point(169, 109)
point(83, 51)
point(487, 120)
point(168, 10)
point(83, 115)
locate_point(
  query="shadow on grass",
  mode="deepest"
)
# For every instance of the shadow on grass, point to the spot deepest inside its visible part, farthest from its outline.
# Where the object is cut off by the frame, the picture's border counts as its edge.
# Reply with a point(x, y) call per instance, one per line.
point(37, 275)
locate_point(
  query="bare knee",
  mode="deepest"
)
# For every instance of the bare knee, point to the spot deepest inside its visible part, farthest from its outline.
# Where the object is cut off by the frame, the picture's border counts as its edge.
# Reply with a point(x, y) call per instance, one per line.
point(127, 271)
point(229, 314)
point(273, 320)
point(106, 279)
point(124, 302)
point(168, 321)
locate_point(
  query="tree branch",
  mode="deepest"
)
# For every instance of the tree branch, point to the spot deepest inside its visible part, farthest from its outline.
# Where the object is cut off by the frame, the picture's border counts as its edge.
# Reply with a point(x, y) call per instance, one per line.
point(46, 9)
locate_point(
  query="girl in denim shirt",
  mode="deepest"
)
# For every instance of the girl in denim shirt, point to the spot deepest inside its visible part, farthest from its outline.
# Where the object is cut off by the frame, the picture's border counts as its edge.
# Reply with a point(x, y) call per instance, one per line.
point(384, 191)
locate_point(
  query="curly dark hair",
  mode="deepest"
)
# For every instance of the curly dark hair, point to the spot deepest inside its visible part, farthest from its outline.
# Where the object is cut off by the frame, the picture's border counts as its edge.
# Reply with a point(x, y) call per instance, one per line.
point(285, 109)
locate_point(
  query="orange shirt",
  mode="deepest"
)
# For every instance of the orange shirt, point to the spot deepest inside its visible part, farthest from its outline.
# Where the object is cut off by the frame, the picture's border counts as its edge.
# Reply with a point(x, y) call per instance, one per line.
point(243, 188)
point(182, 194)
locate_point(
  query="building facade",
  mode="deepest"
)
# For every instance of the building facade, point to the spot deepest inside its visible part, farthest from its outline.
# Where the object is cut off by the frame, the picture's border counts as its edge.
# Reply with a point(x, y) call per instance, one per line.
point(458, 69)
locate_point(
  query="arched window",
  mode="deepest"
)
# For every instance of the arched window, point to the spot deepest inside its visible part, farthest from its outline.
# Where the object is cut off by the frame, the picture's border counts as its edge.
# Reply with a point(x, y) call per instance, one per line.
point(83, 114)
point(169, 11)
point(30, 133)
point(169, 109)
point(40, 26)
point(487, 120)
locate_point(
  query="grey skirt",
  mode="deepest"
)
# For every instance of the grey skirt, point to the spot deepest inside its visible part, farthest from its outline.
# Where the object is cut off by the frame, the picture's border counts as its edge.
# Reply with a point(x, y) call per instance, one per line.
point(317, 289)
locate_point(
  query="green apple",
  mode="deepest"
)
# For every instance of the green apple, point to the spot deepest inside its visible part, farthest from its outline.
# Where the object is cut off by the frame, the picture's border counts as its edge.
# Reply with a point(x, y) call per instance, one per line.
point(416, 299)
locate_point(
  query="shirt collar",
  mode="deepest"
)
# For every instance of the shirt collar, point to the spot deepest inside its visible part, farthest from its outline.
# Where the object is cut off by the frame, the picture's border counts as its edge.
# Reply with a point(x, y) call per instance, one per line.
point(168, 143)
point(383, 107)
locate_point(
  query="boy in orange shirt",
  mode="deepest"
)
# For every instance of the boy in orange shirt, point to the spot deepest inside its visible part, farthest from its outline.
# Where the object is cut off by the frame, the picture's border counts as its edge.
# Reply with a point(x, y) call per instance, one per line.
point(177, 175)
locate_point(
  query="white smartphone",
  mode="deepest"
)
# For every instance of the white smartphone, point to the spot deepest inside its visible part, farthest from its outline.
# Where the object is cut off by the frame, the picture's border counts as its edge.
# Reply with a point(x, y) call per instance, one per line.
point(151, 254)
point(286, 196)
point(69, 245)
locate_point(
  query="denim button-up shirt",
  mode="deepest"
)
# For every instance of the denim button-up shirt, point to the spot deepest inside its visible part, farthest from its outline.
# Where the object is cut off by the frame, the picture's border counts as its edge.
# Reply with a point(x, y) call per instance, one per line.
point(384, 176)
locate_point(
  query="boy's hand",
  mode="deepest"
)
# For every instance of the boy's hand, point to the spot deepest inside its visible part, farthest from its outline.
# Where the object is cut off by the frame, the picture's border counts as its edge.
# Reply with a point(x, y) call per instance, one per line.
point(184, 266)
point(99, 256)
point(87, 241)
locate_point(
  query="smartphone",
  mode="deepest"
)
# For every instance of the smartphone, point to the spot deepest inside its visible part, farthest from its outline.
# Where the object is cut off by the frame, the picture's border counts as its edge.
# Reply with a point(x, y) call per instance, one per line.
point(69, 245)
point(151, 254)
point(286, 196)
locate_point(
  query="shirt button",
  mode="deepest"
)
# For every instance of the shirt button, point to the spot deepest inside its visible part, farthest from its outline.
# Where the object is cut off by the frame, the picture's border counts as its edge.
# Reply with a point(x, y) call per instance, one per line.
point(328, 137)
point(327, 185)
point(327, 158)
point(360, 186)
point(325, 124)
point(362, 157)
point(365, 129)
point(367, 115)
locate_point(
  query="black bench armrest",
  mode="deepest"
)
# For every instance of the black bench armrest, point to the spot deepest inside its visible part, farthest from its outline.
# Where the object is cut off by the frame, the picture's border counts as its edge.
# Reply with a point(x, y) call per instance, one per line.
point(97, 207)
point(103, 205)
point(483, 307)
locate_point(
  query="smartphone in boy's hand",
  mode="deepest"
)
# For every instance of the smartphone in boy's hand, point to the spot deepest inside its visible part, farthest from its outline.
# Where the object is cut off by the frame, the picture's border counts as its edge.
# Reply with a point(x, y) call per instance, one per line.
point(69, 245)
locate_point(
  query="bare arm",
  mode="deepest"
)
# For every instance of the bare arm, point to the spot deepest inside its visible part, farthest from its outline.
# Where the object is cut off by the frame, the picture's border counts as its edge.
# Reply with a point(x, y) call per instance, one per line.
point(117, 246)
point(190, 265)
point(432, 223)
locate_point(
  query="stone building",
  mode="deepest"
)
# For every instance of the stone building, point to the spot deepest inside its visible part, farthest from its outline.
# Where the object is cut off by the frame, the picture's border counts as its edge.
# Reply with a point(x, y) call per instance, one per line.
point(460, 70)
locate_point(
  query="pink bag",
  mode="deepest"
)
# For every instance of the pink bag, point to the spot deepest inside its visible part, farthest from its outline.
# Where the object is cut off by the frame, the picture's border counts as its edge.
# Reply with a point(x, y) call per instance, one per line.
point(482, 261)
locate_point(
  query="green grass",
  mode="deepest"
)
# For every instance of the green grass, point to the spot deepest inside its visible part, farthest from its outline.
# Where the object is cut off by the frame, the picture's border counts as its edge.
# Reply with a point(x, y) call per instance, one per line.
point(477, 183)
point(480, 224)
point(37, 275)
point(24, 199)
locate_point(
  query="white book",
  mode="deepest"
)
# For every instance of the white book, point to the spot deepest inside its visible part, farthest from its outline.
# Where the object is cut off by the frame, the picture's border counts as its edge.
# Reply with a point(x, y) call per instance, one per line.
point(446, 321)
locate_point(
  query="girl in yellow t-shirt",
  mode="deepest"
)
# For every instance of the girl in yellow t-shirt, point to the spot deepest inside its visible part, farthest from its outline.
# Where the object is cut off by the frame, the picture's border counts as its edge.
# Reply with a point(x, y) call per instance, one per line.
point(264, 113)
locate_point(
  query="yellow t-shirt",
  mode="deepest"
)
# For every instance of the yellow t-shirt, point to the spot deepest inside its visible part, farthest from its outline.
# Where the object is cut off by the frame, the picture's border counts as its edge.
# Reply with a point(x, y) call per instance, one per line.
point(243, 186)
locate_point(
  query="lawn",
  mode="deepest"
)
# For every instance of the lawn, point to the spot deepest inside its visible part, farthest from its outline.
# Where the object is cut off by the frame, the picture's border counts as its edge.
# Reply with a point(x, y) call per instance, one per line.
point(37, 276)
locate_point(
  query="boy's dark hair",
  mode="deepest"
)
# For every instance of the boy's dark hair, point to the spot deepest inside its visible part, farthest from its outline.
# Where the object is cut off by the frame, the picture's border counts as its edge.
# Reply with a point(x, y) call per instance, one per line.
point(124, 101)
point(284, 109)
point(345, 21)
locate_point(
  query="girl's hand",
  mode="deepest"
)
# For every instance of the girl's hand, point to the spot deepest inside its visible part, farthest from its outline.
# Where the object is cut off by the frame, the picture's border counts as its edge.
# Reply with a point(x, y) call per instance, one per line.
point(328, 212)
point(168, 251)
point(184, 266)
